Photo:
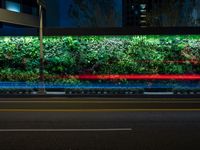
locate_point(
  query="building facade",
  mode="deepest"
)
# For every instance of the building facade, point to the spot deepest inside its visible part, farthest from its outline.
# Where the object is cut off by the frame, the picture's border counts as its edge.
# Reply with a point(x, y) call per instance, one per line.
point(162, 13)
point(110, 13)
point(135, 12)
point(28, 8)
point(122, 13)
point(24, 6)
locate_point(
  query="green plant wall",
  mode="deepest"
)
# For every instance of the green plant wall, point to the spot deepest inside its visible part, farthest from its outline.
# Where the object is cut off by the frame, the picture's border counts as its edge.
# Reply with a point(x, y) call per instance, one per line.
point(75, 55)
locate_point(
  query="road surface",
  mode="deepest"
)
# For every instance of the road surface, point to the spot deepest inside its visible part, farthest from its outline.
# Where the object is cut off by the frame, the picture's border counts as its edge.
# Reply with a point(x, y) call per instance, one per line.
point(85, 124)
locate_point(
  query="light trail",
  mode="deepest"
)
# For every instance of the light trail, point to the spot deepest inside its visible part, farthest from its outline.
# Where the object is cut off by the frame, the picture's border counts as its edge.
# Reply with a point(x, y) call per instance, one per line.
point(136, 77)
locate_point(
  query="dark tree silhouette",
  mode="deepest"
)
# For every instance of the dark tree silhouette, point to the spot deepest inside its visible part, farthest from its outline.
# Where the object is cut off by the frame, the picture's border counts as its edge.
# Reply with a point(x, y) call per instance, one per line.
point(94, 13)
point(172, 13)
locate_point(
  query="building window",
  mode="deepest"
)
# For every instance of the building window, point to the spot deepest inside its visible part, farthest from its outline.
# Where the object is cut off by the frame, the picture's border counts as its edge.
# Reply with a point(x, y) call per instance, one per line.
point(12, 6)
point(135, 12)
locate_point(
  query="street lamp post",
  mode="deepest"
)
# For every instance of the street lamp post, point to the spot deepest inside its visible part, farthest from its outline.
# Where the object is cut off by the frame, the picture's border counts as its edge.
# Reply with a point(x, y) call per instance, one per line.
point(42, 5)
point(42, 89)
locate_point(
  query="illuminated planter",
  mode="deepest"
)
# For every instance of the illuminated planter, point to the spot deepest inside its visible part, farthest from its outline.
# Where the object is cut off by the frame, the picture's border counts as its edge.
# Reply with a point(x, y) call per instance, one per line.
point(109, 59)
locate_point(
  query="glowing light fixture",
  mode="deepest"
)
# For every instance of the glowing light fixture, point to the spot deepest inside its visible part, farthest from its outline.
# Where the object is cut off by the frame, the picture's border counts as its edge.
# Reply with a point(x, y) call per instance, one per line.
point(12, 6)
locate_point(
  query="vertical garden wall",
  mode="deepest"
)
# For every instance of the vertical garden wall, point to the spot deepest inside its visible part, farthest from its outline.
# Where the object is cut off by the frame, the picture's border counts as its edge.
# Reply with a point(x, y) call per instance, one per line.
point(76, 59)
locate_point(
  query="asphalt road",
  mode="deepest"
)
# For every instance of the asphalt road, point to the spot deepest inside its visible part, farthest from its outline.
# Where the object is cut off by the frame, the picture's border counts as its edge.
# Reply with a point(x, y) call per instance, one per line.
point(87, 128)
point(54, 104)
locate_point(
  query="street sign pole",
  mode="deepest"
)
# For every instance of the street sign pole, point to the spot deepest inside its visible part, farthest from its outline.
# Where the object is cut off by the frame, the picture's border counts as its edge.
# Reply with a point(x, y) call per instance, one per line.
point(42, 88)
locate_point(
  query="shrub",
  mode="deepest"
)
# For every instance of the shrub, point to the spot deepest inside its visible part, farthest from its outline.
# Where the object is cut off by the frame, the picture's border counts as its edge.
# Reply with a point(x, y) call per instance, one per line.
point(71, 55)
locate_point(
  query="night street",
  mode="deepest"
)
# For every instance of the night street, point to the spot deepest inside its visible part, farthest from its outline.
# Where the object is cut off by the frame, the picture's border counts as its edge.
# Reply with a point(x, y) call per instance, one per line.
point(99, 74)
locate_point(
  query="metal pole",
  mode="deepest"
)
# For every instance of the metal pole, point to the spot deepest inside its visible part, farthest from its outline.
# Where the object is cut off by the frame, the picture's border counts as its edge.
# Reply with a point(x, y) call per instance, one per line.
point(42, 89)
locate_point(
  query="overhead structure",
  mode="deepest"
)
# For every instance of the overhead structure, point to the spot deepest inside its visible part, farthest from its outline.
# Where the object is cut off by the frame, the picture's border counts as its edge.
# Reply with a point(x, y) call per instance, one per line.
point(19, 18)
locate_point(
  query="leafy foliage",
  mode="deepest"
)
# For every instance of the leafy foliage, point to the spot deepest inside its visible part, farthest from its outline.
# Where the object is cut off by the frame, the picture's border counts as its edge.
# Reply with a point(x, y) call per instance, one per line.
point(19, 56)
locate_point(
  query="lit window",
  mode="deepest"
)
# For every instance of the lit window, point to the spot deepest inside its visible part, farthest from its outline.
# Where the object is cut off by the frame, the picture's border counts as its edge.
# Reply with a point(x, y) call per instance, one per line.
point(12, 6)
point(143, 6)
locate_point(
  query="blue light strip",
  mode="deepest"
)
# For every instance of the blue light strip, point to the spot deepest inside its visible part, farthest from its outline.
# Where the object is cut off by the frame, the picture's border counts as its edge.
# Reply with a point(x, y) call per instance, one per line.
point(23, 85)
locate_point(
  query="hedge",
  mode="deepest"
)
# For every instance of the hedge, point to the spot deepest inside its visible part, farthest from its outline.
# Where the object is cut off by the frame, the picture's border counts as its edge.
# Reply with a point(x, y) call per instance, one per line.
point(73, 55)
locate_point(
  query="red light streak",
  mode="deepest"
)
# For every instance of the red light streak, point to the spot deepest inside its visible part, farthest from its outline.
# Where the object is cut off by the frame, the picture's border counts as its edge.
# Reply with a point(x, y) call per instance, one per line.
point(170, 61)
point(133, 77)
point(139, 77)
point(125, 77)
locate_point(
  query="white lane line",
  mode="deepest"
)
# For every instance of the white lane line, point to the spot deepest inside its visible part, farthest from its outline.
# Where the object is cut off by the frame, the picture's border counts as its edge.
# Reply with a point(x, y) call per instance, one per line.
point(66, 130)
